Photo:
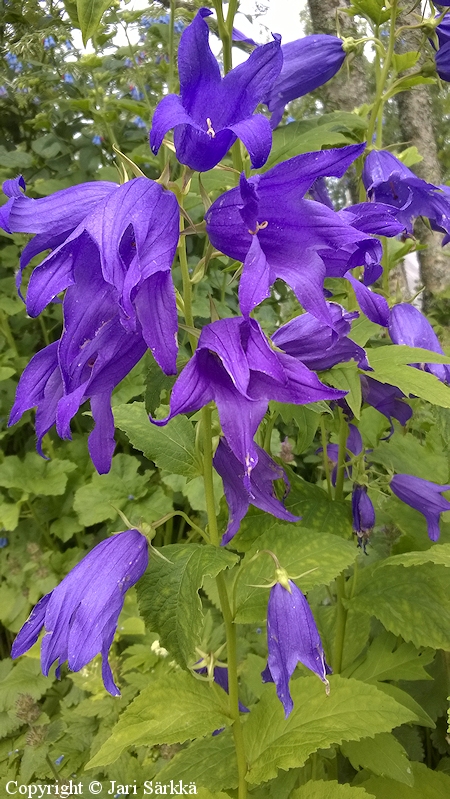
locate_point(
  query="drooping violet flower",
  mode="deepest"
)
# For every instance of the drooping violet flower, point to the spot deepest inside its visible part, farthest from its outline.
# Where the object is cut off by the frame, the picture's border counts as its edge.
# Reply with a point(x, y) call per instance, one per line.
point(363, 514)
point(80, 615)
point(235, 366)
point(354, 444)
point(407, 325)
point(442, 61)
point(95, 353)
point(211, 112)
point(388, 180)
point(292, 638)
point(266, 222)
point(134, 228)
point(424, 496)
point(386, 399)
point(316, 344)
point(307, 64)
point(261, 493)
point(443, 29)
point(238, 36)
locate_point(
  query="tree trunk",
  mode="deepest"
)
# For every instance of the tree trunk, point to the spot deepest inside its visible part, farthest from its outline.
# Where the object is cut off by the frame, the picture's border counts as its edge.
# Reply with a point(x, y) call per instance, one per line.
point(416, 125)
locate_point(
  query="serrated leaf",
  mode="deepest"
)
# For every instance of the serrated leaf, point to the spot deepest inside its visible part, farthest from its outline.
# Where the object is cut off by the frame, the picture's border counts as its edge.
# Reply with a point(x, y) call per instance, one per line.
point(428, 784)
point(174, 709)
point(373, 9)
point(319, 789)
point(386, 660)
point(24, 678)
point(89, 14)
point(353, 710)
point(404, 698)
point(97, 500)
point(298, 550)
point(345, 376)
point(307, 422)
point(168, 595)
point(383, 755)
point(171, 447)
point(211, 761)
point(313, 134)
point(307, 500)
point(437, 553)
point(15, 159)
point(390, 366)
point(405, 454)
point(34, 475)
point(413, 602)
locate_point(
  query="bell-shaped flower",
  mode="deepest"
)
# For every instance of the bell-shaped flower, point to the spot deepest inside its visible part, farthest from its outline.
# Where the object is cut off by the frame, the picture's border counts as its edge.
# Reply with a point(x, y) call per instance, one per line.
point(260, 493)
point(363, 514)
point(235, 366)
point(135, 230)
point(388, 180)
point(94, 354)
point(386, 399)
point(211, 112)
point(292, 637)
point(424, 496)
point(317, 345)
point(80, 615)
point(407, 325)
point(266, 223)
point(307, 64)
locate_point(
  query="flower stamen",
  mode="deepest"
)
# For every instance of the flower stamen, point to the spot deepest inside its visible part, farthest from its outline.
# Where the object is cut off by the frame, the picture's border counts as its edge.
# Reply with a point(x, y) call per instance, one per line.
point(259, 226)
point(211, 132)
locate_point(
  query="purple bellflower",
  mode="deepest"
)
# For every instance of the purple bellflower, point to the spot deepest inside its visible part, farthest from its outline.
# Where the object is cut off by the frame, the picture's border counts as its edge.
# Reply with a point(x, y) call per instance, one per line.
point(211, 112)
point(260, 494)
point(407, 325)
point(292, 638)
point(386, 399)
point(94, 354)
point(443, 29)
point(134, 229)
point(266, 223)
point(316, 344)
point(424, 496)
point(80, 615)
point(389, 181)
point(442, 61)
point(235, 366)
point(307, 64)
point(363, 514)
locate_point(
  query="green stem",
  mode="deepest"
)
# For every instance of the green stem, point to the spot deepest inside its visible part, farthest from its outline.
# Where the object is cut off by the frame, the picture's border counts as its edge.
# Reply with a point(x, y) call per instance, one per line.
point(378, 102)
point(326, 462)
point(52, 769)
point(187, 286)
point(343, 434)
point(268, 431)
point(230, 629)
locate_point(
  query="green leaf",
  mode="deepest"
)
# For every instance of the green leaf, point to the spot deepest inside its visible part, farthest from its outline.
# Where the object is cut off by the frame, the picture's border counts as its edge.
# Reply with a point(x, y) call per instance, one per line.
point(307, 500)
point(375, 10)
point(171, 447)
point(15, 159)
point(353, 710)
point(174, 709)
point(306, 420)
point(346, 378)
point(390, 366)
point(412, 602)
point(428, 784)
point(403, 61)
point(24, 678)
point(34, 475)
point(211, 761)
point(298, 550)
point(388, 660)
point(404, 698)
point(168, 595)
point(328, 130)
point(97, 500)
point(318, 789)
point(437, 553)
point(155, 383)
point(383, 755)
point(405, 454)
point(89, 14)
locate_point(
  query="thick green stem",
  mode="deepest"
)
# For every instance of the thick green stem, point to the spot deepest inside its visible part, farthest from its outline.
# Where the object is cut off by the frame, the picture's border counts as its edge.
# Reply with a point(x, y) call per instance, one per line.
point(343, 434)
point(378, 102)
point(230, 629)
point(341, 611)
point(187, 286)
point(326, 462)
